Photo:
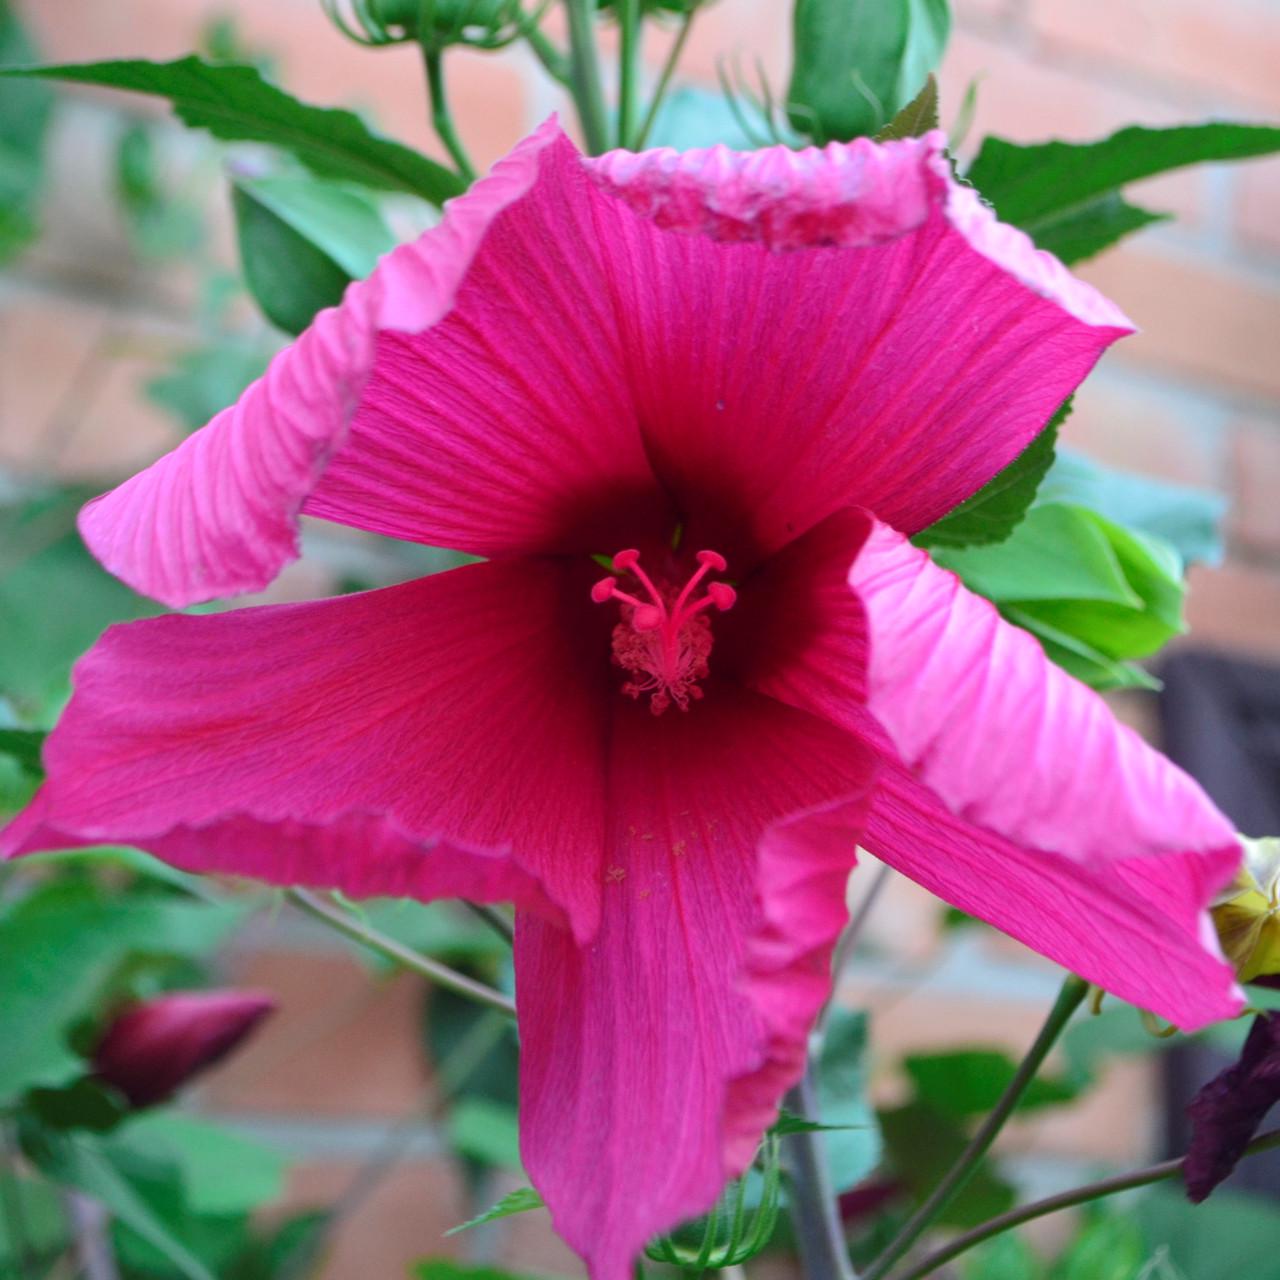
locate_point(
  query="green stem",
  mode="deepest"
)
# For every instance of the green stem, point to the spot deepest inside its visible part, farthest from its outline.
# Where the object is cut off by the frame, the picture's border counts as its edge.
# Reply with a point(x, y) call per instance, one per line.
point(1066, 1200)
point(552, 59)
point(441, 116)
point(431, 969)
point(668, 70)
point(584, 75)
point(819, 1234)
point(495, 920)
point(629, 22)
point(1069, 998)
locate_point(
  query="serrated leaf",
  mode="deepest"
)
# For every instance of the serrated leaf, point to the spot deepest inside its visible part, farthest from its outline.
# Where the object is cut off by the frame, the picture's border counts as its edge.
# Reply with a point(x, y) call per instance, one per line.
point(236, 104)
point(859, 62)
point(917, 117)
point(995, 510)
point(79, 1162)
point(520, 1200)
point(1064, 194)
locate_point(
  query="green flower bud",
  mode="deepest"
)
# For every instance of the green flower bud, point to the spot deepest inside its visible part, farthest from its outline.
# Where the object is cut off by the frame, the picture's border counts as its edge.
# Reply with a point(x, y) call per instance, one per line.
point(1247, 912)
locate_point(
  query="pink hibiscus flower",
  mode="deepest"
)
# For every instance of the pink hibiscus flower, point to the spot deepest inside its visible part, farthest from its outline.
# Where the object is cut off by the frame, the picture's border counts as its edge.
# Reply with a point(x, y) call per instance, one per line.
point(745, 378)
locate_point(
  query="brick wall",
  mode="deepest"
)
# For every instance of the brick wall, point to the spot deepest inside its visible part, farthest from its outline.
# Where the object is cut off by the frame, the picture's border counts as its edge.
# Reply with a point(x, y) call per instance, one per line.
point(1194, 398)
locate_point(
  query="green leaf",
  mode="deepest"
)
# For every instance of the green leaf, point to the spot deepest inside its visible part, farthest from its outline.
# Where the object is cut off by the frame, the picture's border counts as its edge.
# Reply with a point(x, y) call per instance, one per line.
point(852, 1143)
point(58, 949)
point(1007, 1257)
point(159, 225)
point(1187, 518)
point(923, 1143)
point(24, 746)
point(1065, 194)
point(1096, 594)
point(237, 105)
point(220, 1172)
point(54, 599)
point(485, 1131)
point(1111, 1246)
point(917, 117)
point(33, 1207)
point(996, 509)
point(1229, 1237)
point(520, 1200)
point(290, 278)
point(204, 381)
point(84, 1104)
point(969, 1082)
point(79, 1162)
point(341, 221)
point(859, 62)
point(302, 242)
point(448, 1269)
point(788, 1123)
point(25, 110)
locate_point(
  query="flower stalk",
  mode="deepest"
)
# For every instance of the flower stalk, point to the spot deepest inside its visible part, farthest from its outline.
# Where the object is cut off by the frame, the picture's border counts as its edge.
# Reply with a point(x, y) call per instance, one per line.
point(1161, 1172)
point(823, 1252)
point(584, 75)
point(431, 969)
point(630, 31)
point(1072, 994)
point(441, 115)
point(668, 70)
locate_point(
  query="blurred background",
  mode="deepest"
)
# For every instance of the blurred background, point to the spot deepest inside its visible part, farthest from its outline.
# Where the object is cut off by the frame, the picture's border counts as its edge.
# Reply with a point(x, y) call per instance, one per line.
point(122, 327)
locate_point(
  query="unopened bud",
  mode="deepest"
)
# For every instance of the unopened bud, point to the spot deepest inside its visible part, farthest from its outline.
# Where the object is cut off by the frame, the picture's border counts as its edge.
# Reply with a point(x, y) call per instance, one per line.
point(154, 1047)
point(1247, 913)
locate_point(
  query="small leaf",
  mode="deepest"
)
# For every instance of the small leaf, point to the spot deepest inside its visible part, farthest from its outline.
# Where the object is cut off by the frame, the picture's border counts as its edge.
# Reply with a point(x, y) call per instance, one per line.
point(485, 1131)
point(24, 746)
point(79, 1162)
point(1065, 194)
point(917, 117)
point(237, 105)
point(449, 1269)
point(202, 382)
point(969, 1082)
point(788, 1123)
point(859, 62)
point(290, 278)
point(995, 510)
point(1188, 519)
point(520, 1200)
point(25, 111)
point(852, 1142)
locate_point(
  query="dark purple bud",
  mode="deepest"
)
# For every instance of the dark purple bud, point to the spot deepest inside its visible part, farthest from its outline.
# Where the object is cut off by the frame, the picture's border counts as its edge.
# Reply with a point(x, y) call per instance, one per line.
point(153, 1048)
point(1228, 1111)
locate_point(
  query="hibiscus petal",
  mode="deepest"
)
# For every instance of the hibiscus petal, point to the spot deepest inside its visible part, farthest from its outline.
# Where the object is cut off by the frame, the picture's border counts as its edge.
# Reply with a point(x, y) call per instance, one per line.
point(219, 514)
point(833, 327)
point(652, 1059)
point(1008, 788)
point(439, 738)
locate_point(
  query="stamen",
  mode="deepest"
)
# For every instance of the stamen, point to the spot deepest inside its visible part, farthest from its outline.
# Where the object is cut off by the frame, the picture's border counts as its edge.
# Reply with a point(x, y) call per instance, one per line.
point(664, 641)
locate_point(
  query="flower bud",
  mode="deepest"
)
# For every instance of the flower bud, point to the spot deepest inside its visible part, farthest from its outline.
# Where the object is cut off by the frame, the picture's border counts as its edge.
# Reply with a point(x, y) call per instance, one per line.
point(154, 1047)
point(1247, 913)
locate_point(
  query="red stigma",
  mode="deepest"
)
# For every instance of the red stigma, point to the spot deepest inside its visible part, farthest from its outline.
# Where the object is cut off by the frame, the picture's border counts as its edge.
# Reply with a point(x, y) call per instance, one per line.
point(664, 638)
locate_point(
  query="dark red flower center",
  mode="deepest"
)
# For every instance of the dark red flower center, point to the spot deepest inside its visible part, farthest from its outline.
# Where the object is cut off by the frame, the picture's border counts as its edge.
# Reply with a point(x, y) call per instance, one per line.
point(664, 638)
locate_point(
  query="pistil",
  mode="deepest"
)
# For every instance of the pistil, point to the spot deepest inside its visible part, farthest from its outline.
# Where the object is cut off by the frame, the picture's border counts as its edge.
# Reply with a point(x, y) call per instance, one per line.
point(664, 638)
